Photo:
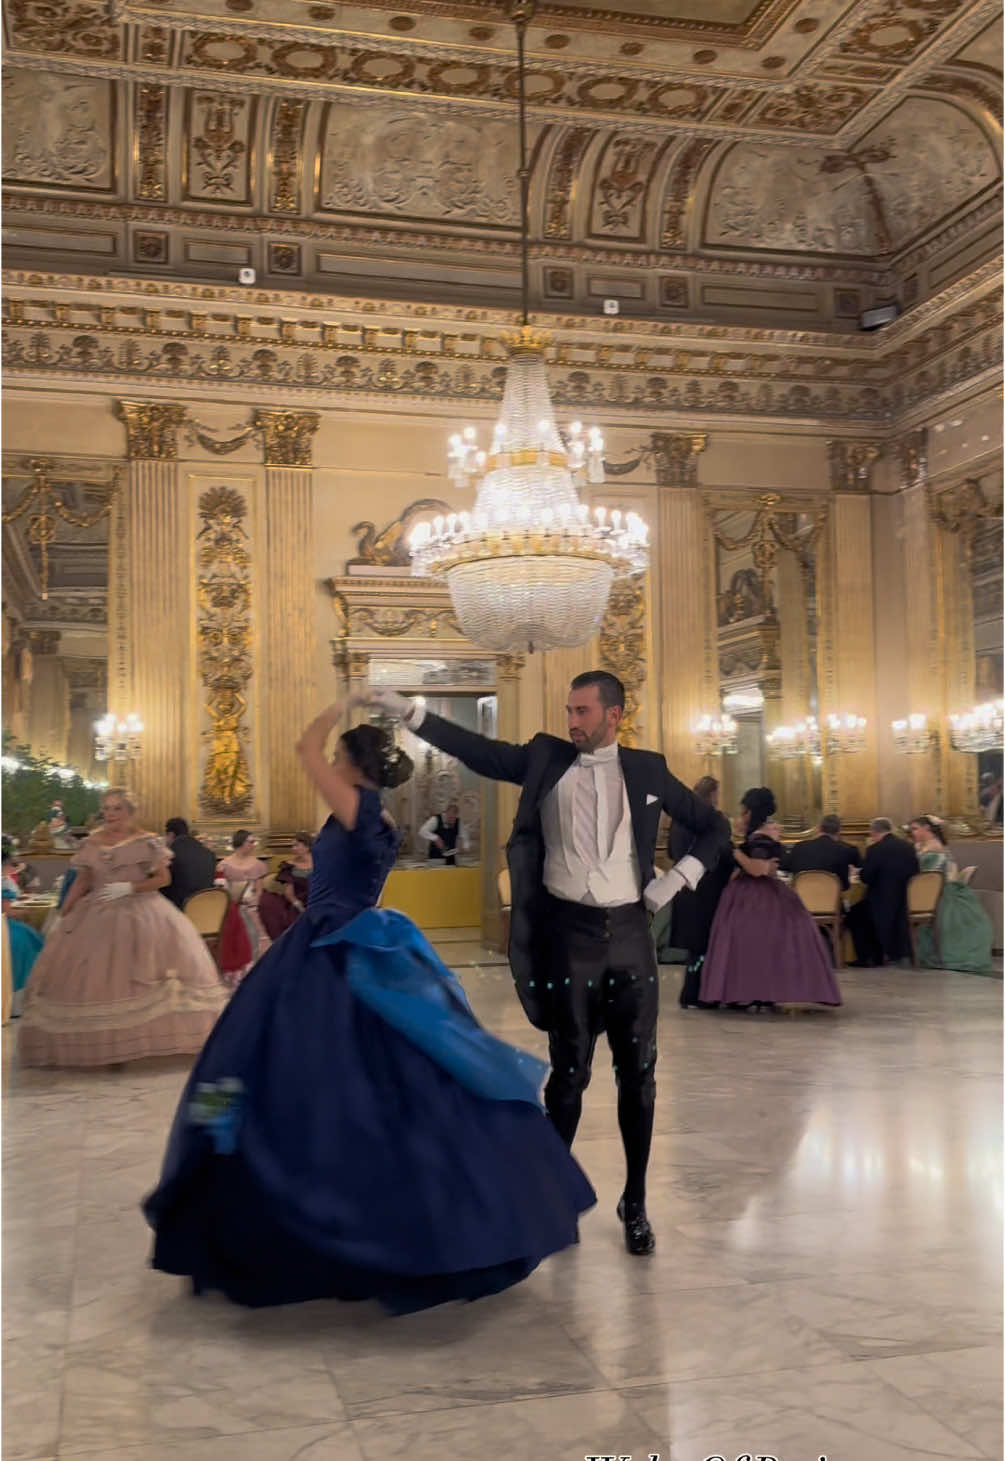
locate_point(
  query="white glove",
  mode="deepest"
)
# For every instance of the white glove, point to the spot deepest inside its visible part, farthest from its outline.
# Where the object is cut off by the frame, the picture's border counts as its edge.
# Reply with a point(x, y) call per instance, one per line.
point(399, 706)
point(115, 890)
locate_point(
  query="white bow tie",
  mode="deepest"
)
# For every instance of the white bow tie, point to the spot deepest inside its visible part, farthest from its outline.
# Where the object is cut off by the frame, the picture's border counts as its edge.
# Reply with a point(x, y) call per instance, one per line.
point(589, 758)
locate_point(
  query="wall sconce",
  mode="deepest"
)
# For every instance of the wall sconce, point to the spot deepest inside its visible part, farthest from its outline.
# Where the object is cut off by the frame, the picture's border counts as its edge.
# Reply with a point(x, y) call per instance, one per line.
point(118, 740)
point(715, 736)
point(913, 736)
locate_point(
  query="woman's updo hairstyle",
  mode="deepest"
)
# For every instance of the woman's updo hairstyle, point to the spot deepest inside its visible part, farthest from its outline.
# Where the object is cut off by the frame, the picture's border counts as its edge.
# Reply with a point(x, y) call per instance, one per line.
point(376, 756)
point(934, 825)
point(759, 801)
point(239, 839)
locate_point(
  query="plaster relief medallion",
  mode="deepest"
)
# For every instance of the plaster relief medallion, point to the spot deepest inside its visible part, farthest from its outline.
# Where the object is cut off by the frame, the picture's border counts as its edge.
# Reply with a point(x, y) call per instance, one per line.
point(418, 165)
point(58, 131)
point(61, 25)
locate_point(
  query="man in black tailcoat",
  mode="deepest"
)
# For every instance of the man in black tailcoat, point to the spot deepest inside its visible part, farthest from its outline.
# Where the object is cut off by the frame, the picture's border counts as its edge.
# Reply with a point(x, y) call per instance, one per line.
point(581, 861)
point(878, 925)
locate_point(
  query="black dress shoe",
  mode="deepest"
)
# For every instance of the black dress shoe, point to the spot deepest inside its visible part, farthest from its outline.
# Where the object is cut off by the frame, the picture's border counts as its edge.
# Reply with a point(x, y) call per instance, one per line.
point(639, 1238)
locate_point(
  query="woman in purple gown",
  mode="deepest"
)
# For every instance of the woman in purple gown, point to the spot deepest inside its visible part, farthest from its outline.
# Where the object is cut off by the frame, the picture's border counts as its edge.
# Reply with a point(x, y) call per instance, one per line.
point(765, 948)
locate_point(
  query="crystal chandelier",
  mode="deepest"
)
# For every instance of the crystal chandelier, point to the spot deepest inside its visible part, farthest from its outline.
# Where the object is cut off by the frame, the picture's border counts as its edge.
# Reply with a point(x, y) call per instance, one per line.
point(715, 736)
point(845, 734)
point(912, 737)
point(118, 740)
point(789, 741)
point(979, 729)
point(531, 567)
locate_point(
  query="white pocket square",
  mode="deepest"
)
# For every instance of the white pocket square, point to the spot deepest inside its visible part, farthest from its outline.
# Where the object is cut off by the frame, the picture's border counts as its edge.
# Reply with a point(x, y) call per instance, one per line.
point(650, 799)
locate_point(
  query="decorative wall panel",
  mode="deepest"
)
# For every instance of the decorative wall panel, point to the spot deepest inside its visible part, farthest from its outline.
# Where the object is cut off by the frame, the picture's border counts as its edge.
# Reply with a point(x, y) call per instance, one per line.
point(219, 147)
point(59, 131)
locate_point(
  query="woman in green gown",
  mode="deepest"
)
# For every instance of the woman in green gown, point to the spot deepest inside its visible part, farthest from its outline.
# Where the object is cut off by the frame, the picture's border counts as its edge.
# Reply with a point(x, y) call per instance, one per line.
point(964, 929)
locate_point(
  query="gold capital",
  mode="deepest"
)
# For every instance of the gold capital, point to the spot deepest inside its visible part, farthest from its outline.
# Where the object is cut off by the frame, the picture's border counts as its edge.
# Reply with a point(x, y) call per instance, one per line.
point(510, 666)
point(287, 436)
point(851, 464)
point(151, 429)
point(675, 457)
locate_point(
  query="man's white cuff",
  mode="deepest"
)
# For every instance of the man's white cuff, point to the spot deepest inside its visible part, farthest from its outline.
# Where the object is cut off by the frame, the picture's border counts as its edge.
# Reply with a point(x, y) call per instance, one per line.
point(415, 715)
point(663, 890)
point(691, 869)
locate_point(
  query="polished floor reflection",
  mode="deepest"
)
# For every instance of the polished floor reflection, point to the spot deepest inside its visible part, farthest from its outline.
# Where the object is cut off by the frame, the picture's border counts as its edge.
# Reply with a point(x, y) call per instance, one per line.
point(826, 1193)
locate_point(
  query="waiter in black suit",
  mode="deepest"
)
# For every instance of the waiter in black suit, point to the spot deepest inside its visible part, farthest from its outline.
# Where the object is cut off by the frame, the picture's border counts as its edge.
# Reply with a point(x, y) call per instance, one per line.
point(582, 875)
point(825, 853)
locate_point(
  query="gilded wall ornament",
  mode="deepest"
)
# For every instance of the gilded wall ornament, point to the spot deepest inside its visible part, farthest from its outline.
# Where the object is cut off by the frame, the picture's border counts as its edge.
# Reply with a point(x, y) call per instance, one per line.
point(962, 510)
point(675, 456)
point(287, 436)
point(287, 141)
point(151, 141)
point(389, 547)
point(561, 183)
point(622, 187)
point(219, 148)
point(680, 188)
point(623, 648)
point(151, 429)
point(223, 637)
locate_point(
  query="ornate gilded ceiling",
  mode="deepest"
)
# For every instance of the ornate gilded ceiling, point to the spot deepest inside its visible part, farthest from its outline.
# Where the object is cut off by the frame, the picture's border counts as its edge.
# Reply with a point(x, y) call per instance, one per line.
point(776, 162)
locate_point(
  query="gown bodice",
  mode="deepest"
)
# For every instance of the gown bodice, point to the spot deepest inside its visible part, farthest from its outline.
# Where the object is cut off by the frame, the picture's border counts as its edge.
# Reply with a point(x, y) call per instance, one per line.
point(350, 868)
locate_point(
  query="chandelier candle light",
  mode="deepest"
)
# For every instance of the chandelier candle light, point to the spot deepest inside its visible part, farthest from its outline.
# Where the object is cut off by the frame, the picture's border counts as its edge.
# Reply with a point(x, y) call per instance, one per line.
point(979, 729)
point(715, 736)
point(913, 736)
point(118, 740)
point(789, 741)
point(845, 734)
point(531, 567)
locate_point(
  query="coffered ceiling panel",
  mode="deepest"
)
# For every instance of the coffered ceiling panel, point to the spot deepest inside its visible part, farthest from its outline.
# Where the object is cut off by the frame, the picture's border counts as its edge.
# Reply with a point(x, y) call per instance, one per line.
point(686, 154)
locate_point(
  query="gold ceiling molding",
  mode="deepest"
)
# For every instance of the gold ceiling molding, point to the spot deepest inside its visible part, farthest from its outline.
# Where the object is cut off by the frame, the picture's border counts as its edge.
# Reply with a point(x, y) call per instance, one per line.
point(311, 358)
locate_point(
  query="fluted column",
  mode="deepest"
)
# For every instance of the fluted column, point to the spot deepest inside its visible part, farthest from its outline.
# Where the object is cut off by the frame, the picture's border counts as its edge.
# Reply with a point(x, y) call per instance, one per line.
point(49, 711)
point(923, 669)
point(682, 576)
point(851, 785)
point(793, 784)
point(80, 749)
point(156, 671)
point(289, 694)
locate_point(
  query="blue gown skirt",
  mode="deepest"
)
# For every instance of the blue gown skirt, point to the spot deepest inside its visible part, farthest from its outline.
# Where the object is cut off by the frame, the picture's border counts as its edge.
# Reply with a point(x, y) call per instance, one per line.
point(350, 1131)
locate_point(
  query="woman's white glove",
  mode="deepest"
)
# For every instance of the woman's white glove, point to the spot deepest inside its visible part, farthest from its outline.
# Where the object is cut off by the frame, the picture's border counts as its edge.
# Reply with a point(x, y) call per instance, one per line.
point(399, 706)
point(115, 890)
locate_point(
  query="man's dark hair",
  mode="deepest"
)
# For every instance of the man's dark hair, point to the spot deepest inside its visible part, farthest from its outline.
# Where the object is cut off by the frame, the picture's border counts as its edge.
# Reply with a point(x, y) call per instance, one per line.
point(830, 825)
point(881, 824)
point(609, 687)
point(177, 826)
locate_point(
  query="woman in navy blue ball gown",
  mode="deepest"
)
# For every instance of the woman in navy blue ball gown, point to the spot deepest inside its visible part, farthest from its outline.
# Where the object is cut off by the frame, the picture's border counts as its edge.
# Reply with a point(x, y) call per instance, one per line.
point(350, 1131)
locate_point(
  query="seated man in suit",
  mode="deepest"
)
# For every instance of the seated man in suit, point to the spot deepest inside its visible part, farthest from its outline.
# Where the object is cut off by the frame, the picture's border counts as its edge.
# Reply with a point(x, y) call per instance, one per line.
point(825, 853)
point(878, 925)
point(193, 866)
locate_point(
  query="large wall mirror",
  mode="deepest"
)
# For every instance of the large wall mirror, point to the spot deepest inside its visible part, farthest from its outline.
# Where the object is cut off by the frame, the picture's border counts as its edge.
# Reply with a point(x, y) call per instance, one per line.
point(765, 557)
point(462, 690)
point(56, 518)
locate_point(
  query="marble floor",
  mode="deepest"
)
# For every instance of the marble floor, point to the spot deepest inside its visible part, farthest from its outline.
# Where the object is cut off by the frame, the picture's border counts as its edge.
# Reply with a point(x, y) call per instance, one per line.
point(826, 1193)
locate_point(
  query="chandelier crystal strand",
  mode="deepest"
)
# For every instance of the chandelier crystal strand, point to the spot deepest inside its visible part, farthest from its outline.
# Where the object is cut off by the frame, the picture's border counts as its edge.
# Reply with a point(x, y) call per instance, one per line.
point(531, 567)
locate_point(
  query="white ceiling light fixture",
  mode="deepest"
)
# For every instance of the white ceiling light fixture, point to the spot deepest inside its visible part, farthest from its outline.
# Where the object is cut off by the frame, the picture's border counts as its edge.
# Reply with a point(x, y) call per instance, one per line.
point(531, 567)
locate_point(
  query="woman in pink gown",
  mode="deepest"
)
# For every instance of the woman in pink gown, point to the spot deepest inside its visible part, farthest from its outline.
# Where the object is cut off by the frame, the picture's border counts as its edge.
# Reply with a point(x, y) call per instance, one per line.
point(123, 974)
